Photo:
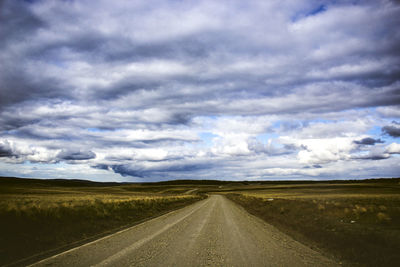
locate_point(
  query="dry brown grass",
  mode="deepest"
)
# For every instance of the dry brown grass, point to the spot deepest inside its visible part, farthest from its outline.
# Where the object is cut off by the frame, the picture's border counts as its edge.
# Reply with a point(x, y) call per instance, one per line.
point(39, 218)
point(357, 224)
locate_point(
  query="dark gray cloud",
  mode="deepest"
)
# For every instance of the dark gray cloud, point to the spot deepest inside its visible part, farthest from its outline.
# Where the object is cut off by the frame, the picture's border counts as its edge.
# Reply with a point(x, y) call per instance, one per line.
point(16, 27)
point(75, 155)
point(368, 141)
point(20, 79)
point(155, 172)
point(391, 130)
point(17, 86)
point(128, 171)
point(6, 150)
point(316, 166)
point(373, 157)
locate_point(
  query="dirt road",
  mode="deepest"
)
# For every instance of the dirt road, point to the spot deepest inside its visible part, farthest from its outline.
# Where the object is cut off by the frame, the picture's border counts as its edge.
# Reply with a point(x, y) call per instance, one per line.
point(213, 232)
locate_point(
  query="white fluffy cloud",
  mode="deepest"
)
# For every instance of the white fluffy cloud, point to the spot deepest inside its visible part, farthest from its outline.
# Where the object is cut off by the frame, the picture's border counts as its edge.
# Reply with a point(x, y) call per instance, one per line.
point(393, 148)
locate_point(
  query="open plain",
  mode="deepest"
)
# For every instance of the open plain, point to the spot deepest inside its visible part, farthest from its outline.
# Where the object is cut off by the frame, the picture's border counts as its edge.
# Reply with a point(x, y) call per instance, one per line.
point(200, 223)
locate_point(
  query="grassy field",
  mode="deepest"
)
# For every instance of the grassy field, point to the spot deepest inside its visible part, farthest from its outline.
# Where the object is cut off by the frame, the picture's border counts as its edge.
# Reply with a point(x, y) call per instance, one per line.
point(39, 217)
point(357, 222)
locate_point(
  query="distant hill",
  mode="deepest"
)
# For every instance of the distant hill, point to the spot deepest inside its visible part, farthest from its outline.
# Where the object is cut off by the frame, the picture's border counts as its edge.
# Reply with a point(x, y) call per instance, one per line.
point(10, 181)
point(15, 181)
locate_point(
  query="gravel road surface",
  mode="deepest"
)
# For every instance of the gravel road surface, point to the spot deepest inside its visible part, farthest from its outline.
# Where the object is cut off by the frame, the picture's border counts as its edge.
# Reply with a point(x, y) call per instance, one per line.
point(212, 232)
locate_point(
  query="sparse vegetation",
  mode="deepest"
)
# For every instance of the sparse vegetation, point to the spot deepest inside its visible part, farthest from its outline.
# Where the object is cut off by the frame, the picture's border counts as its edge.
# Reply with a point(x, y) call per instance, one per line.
point(357, 223)
point(38, 217)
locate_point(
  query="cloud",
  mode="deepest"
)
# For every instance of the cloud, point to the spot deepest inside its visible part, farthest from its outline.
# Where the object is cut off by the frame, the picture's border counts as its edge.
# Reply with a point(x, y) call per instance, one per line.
point(391, 130)
point(6, 150)
point(76, 155)
point(126, 171)
point(158, 171)
point(379, 153)
point(162, 90)
point(389, 112)
point(372, 156)
point(368, 141)
point(393, 148)
point(270, 148)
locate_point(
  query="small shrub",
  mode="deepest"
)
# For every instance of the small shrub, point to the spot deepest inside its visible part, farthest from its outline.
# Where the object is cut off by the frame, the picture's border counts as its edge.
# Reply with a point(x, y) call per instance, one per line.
point(383, 217)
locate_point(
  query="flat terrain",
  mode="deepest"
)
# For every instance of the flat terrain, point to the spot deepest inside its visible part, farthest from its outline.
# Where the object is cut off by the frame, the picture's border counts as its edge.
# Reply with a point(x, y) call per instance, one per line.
point(39, 218)
point(213, 232)
point(357, 223)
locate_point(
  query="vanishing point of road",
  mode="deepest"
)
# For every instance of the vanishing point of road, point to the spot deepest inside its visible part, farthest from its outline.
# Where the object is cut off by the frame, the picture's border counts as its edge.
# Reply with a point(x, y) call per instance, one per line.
point(212, 232)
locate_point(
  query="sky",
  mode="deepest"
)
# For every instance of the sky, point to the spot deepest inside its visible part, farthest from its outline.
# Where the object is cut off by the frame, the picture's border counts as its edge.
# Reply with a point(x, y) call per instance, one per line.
point(137, 91)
